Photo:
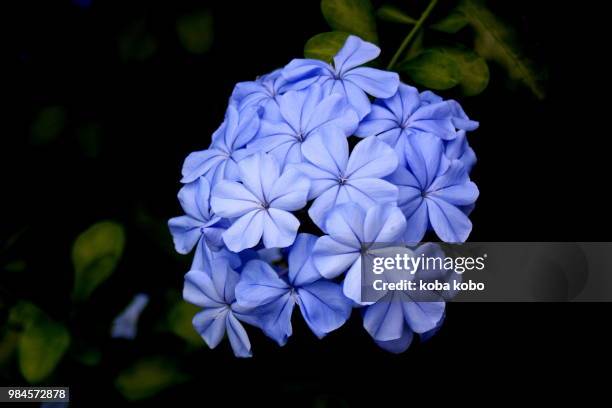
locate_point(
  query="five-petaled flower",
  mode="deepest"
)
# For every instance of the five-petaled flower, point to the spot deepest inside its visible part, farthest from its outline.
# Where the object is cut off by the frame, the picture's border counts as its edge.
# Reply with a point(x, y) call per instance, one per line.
point(337, 178)
point(345, 76)
point(273, 295)
point(298, 116)
point(351, 230)
point(261, 203)
point(434, 191)
point(406, 113)
point(215, 294)
point(218, 162)
point(200, 227)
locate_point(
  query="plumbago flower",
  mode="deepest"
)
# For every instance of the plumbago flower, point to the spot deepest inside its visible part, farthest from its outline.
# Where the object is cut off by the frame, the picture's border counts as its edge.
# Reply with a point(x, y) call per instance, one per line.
point(261, 203)
point(345, 76)
point(434, 191)
point(200, 227)
point(337, 178)
point(351, 230)
point(393, 120)
point(218, 162)
point(273, 294)
point(263, 92)
point(281, 165)
point(298, 116)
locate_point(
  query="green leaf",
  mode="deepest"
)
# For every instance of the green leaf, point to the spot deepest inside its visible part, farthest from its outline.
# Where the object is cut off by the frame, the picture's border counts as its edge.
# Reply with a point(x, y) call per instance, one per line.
point(148, 377)
point(473, 69)
point(179, 321)
point(42, 345)
point(496, 42)
point(433, 69)
point(324, 46)
point(452, 23)
point(195, 31)
point(47, 125)
point(394, 15)
point(95, 255)
point(351, 16)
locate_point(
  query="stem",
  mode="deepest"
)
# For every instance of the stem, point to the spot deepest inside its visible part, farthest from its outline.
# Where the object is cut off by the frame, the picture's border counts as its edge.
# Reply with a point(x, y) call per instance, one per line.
point(411, 34)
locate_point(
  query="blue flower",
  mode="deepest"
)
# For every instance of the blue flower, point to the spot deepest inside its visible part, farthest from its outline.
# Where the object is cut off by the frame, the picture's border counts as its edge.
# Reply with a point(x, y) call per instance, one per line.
point(459, 149)
point(260, 205)
point(406, 113)
point(215, 294)
point(434, 191)
point(200, 226)
point(273, 295)
point(218, 162)
point(345, 76)
point(350, 232)
point(299, 115)
point(263, 92)
point(126, 324)
point(397, 315)
point(337, 178)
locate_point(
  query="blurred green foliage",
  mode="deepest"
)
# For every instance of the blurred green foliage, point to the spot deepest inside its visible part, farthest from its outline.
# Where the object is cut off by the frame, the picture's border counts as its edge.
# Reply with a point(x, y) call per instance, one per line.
point(351, 16)
point(136, 43)
point(147, 377)
point(195, 31)
point(325, 45)
point(95, 255)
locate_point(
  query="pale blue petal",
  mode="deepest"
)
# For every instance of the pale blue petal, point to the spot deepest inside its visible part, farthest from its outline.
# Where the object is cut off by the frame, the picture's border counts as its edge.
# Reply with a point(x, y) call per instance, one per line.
point(323, 204)
point(279, 228)
point(210, 324)
point(323, 306)
point(259, 285)
point(199, 290)
point(333, 258)
point(399, 345)
point(328, 150)
point(423, 156)
point(277, 322)
point(200, 163)
point(245, 232)
point(376, 82)
point(331, 110)
point(300, 73)
point(194, 199)
point(290, 191)
point(238, 337)
point(368, 192)
point(345, 224)
point(320, 180)
point(231, 199)
point(417, 223)
point(371, 158)
point(383, 224)
point(302, 269)
point(423, 316)
point(351, 286)
point(384, 320)
point(224, 279)
point(258, 173)
point(449, 222)
point(185, 233)
point(354, 52)
point(357, 98)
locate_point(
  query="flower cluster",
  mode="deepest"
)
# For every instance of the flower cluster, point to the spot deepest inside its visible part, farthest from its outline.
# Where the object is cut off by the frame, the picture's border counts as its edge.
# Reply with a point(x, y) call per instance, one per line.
point(281, 164)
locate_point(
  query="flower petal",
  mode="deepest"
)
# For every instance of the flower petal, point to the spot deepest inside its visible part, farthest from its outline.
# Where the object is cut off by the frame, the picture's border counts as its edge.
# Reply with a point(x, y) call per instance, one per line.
point(185, 232)
point(302, 269)
point(449, 222)
point(210, 324)
point(279, 228)
point(333, 258)
point(423, 316)
point(353, 53)
point(200, 290)
point(384, 320)
point(290, 191)
point(417, 224)
point(423, 157)
point(327, 150)
point(371, 158)
point(245, 232)
point(376, 82)
point(238, 337)
point(259, 285)
point(231, 199)
point(399, 345)
point(323, 306)
point(383, 224)
point(200, 163)
point(258, 173)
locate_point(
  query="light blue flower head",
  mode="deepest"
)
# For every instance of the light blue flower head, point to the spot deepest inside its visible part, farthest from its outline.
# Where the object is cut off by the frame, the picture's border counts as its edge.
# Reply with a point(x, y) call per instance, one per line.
point(346, 76)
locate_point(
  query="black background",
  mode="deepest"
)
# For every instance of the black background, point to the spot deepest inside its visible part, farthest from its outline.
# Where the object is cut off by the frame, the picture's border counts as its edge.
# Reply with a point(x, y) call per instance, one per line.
point(542, 171)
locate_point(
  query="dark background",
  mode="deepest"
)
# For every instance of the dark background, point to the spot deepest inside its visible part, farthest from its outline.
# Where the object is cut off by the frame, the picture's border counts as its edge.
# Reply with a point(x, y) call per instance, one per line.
point(542, 171)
